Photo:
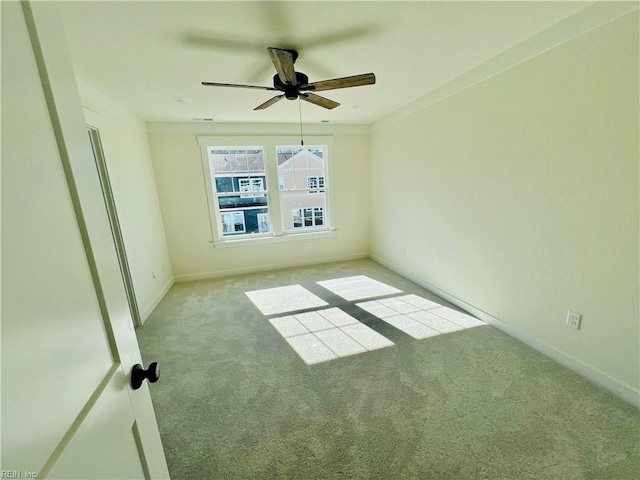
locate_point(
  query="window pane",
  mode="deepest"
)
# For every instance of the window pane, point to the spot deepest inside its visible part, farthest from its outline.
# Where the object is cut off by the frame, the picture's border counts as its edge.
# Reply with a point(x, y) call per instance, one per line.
point(241, 201)
point(237, 160)
point(220, 161)
point(255, 160)
point(252, 220)
point(224, 184)
point(307, 210)
point(297, 165)
point(232, 222)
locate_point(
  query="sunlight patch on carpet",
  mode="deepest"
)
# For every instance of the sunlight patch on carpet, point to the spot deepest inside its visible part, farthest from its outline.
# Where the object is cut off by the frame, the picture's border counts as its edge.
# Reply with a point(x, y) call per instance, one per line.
point(418, 317)
point(284, 299)
point(328, 334)
point(358, 287)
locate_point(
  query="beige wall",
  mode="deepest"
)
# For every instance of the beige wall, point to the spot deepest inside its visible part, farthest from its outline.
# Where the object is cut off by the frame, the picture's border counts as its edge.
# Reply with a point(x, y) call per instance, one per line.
point(179, 173)
point(519, 196)
point(126, 150)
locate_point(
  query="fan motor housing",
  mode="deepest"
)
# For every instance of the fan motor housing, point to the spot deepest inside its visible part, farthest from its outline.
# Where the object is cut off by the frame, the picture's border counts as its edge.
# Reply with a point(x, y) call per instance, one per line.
point(290, 91)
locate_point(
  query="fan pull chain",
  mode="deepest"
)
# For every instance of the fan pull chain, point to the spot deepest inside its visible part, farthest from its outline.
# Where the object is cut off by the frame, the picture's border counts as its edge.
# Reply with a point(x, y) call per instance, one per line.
point(300, 110)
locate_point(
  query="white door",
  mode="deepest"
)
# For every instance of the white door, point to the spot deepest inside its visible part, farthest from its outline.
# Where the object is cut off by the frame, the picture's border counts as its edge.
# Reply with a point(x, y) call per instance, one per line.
point(68, 345)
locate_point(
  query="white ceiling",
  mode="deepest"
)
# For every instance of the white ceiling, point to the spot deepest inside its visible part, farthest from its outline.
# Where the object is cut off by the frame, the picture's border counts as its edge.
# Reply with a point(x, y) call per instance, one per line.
point(144, 54)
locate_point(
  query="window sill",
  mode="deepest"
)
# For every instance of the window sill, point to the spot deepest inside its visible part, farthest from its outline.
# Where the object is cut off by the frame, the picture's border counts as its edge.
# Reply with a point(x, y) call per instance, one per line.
point(287, 237)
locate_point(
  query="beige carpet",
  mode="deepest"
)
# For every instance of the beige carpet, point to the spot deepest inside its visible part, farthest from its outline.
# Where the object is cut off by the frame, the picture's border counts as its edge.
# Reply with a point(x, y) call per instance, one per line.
point(236, 401)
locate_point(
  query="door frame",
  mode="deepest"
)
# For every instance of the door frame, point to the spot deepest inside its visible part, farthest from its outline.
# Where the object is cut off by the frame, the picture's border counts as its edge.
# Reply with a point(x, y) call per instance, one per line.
point(93, 128)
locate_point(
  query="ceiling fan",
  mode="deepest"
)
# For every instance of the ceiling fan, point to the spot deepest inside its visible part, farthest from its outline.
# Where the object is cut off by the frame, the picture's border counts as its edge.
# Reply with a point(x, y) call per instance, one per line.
point(296, 84)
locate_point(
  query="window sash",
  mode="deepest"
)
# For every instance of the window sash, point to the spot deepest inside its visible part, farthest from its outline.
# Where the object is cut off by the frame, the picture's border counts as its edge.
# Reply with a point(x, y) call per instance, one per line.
point(305, 172)
point(232, 215)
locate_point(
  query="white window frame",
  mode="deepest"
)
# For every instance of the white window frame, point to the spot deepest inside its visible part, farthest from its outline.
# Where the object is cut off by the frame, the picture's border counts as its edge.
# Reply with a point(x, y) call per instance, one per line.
point(269, 145)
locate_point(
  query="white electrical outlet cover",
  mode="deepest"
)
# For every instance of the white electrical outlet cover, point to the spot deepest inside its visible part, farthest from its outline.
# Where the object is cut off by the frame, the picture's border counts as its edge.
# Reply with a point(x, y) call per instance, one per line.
point(573, 319)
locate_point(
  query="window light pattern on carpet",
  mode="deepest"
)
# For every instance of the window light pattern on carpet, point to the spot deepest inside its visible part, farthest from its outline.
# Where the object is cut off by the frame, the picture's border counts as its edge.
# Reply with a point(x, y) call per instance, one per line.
point(358, 287)
point(291, 298)
point(328, 334)
point(418, 317)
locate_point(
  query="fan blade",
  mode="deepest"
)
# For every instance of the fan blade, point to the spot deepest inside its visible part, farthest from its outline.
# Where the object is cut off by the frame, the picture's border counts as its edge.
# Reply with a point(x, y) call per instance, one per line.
point(344, 82)
point(318, 100)
point(283, 61)
point(235, 85)
point(269, 102)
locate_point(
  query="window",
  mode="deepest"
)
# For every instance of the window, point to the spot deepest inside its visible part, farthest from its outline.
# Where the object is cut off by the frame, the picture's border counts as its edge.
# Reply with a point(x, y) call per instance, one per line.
point(307, 217)
point(315, 183)
point(265, 189)
point(251, 185)
point(233, 222)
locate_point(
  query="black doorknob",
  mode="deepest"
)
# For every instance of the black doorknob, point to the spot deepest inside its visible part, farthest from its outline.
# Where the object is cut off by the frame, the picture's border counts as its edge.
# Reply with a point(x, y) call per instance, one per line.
point(138, 374)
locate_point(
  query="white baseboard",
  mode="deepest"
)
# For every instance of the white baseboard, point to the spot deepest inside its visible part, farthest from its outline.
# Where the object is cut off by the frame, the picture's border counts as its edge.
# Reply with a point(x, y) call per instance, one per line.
point(264, 268)
point(616, 387)
point(144, 314)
